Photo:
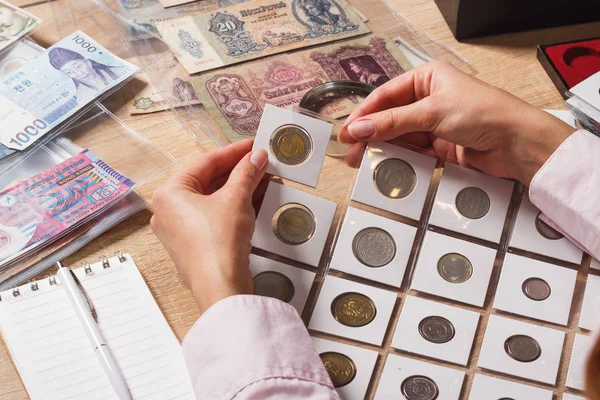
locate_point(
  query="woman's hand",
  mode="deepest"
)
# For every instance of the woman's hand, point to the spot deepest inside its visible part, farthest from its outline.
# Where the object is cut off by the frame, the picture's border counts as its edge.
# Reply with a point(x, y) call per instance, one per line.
point(456, 116)
point(204, 216)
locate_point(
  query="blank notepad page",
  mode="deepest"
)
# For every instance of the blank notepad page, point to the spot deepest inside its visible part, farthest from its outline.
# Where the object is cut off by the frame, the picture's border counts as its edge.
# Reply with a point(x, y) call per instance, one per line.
point(54, 356)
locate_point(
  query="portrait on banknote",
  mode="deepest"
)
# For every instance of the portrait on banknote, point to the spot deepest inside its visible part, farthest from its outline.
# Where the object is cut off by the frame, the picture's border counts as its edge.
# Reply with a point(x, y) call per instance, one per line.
point(364, 69)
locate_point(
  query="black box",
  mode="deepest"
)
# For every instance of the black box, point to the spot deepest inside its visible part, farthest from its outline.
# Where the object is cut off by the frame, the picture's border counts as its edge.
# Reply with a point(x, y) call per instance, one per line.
point(475, 18)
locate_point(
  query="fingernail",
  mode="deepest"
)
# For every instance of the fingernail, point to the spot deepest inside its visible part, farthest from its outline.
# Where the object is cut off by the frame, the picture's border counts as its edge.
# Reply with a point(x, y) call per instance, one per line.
point(361, 129)
point(259, 158)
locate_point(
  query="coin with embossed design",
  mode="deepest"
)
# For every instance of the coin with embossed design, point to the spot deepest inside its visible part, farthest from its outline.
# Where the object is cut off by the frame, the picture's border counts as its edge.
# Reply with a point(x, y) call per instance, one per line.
point(472, 202)
point(523, 348)
point(436, 329)
point(294, 224)
point(455, 268)
point(291, 144)
point(536, 289)
point(395, 178)
point(374, 247)
point(353, 309)
point(273, 284)
point(546, 230)
point(419, 387)
point(340, 367)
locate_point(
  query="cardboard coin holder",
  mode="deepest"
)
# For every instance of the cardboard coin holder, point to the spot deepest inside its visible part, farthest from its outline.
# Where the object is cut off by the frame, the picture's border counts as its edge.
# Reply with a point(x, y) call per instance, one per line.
point(582, 347)
point(488, 388)
point(588, 319)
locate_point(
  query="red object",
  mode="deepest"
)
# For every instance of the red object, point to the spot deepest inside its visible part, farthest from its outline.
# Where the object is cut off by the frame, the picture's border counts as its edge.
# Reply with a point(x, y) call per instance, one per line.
point(574, 62)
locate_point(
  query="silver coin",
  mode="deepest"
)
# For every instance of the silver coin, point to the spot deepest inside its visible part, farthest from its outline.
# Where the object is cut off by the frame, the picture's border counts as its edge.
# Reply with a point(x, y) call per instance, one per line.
point(395, 178)
point(536, 289)
point(472, 202)
point(546, 230)
point(291, 144)
point(455, 268)
point(523, 348)
point(274, 284)
point(374, 247)
point(436, 329)
point(294, 224)
point(418, 387)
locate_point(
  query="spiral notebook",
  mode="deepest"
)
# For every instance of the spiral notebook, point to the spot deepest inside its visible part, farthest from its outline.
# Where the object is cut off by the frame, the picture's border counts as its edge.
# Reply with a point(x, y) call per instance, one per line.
point(54, 357)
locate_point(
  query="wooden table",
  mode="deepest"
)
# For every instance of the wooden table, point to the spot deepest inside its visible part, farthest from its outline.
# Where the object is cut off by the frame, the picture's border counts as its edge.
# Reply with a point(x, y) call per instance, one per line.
point(508, 61)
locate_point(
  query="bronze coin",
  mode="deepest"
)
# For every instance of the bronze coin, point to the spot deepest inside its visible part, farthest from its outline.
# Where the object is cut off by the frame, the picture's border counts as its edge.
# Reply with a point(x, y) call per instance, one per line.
point(472, 202)
point(418, 387)
point(294, 224)
point(523, 348)
point(436, 329)
point(340, 367)
point(536, 289)
point(546, 230)
point(395, 178)
point(353, 309)
point(291, 144)
point(274, 284)
point(455, 268)
point(374, 247)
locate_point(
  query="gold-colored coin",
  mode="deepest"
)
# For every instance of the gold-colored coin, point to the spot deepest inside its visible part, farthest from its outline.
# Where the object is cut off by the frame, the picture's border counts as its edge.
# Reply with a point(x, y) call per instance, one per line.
point(274, 284)
point(353, 309)
point(291, 144)
point(294, 224)
point(341, 368)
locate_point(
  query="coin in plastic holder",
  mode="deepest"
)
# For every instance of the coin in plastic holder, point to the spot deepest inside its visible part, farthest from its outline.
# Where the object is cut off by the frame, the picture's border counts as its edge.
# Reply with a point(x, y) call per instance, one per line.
point(546, 230)
point(340, 367)
point(536, 289)
point(353, 309)
point(274, 284)
point(436, 329)
point(374, 247)
point(455, 268)
point(523, 348)
point(294, 224)
point(418, 387)
point(473, 202)
point(291, 144)
point(395, 178)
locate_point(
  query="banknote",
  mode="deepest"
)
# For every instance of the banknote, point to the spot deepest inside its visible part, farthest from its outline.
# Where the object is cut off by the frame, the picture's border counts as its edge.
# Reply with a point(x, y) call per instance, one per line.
point(14, 23)
point(256, 29)
point(235, 96)
point(54, 86)
point(172, 89)
point(43, 207)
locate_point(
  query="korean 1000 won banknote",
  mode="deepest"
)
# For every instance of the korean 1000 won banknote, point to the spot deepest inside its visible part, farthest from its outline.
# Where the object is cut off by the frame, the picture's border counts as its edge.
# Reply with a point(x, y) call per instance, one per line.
point(14, 23)
point(257, 29)
point(45, 206)
point(54, 86)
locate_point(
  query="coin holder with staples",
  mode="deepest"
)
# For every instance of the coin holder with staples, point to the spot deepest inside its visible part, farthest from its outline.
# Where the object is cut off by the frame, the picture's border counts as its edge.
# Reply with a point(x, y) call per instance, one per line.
point(521, 349)
point(293, 224)
point(373, 247)
point(454, 269)
point(582, 348)
point(407, 378)
point(281, 281)
point(489, 388)
point(353, 310)
point(436, 330)
point(588, 318)
point(349, 367)
point(471, 203)
point(535, 289)
point(296, 144)
point(394, 179)
point(530, 233)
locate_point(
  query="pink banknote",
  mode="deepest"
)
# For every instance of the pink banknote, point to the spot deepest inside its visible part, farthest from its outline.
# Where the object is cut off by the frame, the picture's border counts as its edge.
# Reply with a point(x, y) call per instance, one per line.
point(47, 205)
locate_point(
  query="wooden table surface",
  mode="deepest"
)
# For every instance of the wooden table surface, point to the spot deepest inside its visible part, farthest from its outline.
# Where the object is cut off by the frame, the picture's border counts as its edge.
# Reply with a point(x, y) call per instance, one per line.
point(508, 61)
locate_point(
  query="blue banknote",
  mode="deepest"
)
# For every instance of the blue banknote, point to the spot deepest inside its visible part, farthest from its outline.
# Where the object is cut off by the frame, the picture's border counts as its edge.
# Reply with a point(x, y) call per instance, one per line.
point(54, 86)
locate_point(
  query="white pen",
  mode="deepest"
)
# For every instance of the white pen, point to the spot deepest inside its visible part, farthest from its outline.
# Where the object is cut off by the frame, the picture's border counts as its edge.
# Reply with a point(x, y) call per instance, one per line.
point(87, 316)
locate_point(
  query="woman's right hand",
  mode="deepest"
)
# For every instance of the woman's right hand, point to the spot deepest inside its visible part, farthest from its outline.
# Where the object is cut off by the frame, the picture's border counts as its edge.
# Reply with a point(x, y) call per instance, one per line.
point(459, 117)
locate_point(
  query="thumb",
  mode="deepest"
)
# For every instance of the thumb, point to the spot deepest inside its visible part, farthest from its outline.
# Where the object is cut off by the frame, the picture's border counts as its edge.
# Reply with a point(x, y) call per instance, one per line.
point(248, 172)
point(389, 124)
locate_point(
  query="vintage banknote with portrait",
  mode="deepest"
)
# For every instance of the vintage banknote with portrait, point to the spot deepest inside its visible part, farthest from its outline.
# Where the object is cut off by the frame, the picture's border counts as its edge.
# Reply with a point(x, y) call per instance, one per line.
point(14, 23)
point(236, 96)
point(257, 29)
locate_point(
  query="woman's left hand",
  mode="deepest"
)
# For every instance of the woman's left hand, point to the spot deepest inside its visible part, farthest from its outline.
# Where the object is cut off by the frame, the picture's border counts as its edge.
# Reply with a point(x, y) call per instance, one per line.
point(204, 216)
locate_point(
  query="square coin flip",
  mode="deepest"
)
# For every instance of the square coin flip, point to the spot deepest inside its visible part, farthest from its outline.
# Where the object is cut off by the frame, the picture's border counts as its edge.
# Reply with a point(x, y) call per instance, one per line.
point(296, 144)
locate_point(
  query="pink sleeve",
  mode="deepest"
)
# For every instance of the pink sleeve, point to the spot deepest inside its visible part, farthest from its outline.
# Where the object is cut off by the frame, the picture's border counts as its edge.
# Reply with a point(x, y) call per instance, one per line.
point(252, 347)
point(567, 190)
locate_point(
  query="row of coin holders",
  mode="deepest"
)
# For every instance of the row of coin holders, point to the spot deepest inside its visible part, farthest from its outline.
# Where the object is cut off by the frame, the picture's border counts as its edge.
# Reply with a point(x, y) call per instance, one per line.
point(516, 293)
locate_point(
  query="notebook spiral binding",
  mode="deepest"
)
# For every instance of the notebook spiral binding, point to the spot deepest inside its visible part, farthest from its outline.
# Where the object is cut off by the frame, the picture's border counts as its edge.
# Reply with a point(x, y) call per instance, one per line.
point(87, 267)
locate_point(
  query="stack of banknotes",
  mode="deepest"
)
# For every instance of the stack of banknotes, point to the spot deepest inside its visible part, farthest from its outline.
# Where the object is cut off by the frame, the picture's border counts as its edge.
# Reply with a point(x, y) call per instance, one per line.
point(585, 103)
point(54, 196)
